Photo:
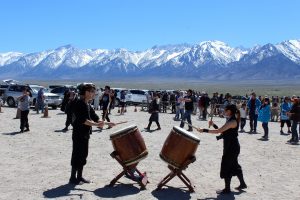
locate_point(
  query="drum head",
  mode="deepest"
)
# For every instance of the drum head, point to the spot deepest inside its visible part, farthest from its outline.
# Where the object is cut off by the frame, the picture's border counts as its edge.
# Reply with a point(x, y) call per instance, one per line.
point(123, 130)
point(184, 132)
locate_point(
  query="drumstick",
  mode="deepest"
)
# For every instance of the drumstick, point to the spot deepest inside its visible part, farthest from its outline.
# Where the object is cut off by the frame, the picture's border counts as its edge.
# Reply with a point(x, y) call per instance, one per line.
point(121, 122)
point(108, 123)
point(192, 125)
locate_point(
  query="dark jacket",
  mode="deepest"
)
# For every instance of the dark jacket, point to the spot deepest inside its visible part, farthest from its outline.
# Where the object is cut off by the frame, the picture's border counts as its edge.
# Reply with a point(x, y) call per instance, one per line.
point(295, 112)
point(82, 112)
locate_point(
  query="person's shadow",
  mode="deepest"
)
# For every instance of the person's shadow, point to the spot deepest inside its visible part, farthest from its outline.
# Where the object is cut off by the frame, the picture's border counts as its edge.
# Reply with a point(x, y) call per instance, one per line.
point(230, 196)
point(119, 190)
point(171, 193)
point(61, 131)
point(61, 191)
point(13, 133)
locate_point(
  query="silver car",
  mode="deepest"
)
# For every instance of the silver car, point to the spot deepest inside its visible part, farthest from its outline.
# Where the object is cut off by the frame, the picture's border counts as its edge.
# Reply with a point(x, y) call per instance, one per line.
point(51, 99)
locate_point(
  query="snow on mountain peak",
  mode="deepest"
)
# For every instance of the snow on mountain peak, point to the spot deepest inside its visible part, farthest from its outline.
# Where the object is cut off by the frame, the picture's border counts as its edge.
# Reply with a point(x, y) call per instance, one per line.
point(291, 49)
point(215, 51)
point(9, 57)
point(205, 53)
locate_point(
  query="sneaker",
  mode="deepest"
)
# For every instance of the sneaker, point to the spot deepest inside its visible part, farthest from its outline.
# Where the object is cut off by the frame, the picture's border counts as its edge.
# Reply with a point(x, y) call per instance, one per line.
point(65, 129)
point(83, 180)
point(190, 130)
point(281, 132)
point(264, 137)
point(26, 130)
point(241, 187)
point(224, 191)
point(158, 128)
point(147, 129)
point(290, 141)
point(74, 181)
point(21, 131)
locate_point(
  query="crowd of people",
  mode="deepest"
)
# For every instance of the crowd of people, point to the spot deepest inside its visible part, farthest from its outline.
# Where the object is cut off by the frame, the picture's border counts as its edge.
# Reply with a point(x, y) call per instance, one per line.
point(262, 109)
point(80, 111)
point(184, 104)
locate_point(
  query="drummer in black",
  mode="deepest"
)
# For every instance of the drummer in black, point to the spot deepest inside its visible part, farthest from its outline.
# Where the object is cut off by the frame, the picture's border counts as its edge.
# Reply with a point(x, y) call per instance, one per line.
point(154, 110)
point(84, 117)
point(229, 133)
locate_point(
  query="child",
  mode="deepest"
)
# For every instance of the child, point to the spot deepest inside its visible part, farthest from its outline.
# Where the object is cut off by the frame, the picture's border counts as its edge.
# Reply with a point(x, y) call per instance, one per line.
point(264, 116)
point(243, 117)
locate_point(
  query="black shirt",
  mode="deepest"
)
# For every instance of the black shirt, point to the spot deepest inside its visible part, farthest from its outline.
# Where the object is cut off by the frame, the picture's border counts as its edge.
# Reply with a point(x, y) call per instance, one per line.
point(83, 112)
point(105, 101)
point(189, 105)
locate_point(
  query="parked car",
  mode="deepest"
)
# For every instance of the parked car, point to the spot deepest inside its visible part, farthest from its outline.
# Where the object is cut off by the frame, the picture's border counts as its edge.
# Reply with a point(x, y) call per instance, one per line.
point(135, 96)
point(62, 89)
point(51, 99)
point(239, 98)
point(12, 92)
point(54, 86)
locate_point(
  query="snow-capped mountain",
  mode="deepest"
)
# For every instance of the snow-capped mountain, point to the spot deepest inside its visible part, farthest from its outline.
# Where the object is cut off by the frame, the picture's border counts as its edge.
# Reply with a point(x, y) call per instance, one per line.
point(290, 49)
point(206, 60)
point(9, 57)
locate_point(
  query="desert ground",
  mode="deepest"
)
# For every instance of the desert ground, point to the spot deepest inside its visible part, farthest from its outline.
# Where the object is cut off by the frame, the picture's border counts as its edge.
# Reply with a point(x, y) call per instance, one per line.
point(36, 164)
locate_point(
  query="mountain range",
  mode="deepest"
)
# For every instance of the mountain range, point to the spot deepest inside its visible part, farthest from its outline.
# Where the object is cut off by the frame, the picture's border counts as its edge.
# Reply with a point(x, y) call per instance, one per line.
point(208, 60)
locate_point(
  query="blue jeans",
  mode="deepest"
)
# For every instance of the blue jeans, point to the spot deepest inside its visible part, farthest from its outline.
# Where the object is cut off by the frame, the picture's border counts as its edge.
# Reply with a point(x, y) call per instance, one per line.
point(40, 106)
point(179, 111)
point(294, 131)
point(186, 116)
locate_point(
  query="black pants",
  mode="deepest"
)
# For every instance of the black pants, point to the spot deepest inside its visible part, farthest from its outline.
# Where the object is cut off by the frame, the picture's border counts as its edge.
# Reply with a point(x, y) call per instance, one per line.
point(204, 113)
point(288, 123)
point(79, 152)
point(165, 104)
point(24, 120)
point(69, 119)
point(105, 115)
point(230, 165)
point(173, 107)
point(154, 118)
point(253, 121)
point(266, 128)
point(243, 123)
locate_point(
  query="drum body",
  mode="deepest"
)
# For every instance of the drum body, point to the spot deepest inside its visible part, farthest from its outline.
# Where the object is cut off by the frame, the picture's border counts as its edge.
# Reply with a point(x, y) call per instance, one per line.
point(129, 145)
point(179, 147)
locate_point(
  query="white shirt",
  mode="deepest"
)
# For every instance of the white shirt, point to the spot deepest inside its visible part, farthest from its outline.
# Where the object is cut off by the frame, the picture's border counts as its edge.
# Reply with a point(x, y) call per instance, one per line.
point(243, 113)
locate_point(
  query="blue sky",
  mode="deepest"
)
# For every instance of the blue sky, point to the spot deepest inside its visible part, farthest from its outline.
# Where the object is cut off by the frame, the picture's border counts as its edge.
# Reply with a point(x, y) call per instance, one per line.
point(36, 25)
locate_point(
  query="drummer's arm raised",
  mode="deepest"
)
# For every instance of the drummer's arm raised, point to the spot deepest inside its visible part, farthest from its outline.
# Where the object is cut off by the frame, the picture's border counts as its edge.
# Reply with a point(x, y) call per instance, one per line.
point(228, 125)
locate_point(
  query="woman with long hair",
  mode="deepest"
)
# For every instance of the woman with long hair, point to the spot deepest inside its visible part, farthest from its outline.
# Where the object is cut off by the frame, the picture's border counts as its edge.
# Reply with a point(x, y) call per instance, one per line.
point(231, 149)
